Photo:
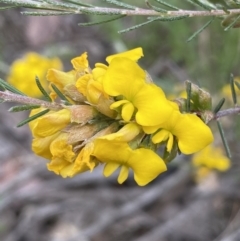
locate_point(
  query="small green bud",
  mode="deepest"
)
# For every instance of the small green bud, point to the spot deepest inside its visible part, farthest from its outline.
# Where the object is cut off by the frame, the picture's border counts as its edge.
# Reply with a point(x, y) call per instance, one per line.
point(200, 99)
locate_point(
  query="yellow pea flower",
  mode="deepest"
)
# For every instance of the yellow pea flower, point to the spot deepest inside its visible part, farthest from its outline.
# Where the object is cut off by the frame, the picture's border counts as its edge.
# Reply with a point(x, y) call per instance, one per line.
point(65, 81)
point(191, 132)
point(24, 71)
point(145, 163)
point(212, 158)
point(90, 85)
point(50, 123)
point(115, 152)
point(124, 79)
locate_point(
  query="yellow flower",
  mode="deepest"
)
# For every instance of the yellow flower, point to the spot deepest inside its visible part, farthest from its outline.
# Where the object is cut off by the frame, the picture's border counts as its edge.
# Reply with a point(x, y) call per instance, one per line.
point(24, 71)
point(65, 81)
point(145, 163)
point(90, 85)
point(125, 80)
point(50, 123)
point(115, 152)
point(191, 132)
point(66, 139)
point(212, 158)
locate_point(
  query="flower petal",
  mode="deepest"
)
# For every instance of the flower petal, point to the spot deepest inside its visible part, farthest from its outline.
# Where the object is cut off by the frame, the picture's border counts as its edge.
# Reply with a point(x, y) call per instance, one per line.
point(80, 63)
point(50, 123)
point(162, 135)
point(133, 54)
point(123, 175)
point(126, 134)
point(146, 165)
point(152, 105)
point(123, 77)
point(110, 168)
point(192, 133)
point(127, 111)
point(41, 146)
point(61, 149)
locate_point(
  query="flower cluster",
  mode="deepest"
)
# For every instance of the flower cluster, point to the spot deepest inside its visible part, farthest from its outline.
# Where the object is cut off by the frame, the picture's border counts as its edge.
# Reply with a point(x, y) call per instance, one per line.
point(27, 68)
point(117, 117)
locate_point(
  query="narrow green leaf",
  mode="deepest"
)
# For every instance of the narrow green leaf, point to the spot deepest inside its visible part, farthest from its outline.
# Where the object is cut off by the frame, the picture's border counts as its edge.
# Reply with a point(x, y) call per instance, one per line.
point(188, 90)
point(219, 106)
point(60, 94)
point(23, 108)
point(44, 92)
point(7, 7)
point(200, 30)
point(62, 5)
point(2, 88)
point(233, 91)
point(26, 4)
point(226, 146)
point(79, 3)
point(168, 19)
point(160, 10)
point(101, 22)
point(163, 19)
point(34, 117)
point(237, 84)
point(120, 4)
point(136, 26)
point(94, 11)
point(232, 24)
point(201, 4)
point(11, 88)
point(167, 5)
point(41, 13)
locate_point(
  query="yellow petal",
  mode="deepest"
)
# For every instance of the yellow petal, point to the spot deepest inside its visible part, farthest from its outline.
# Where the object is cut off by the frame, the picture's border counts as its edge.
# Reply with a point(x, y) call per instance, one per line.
point(127, 111)
point(111, 151)
point(170, 143)
point(41, 146)
point(162, 135)
point(99, 71)
point(152, 105)
point(50, 123)
point(134, 54)
point(61, 149)
point(123, 175)
point(110, 168)
point(192, 133)
point(126, 134)
point(119, 103)
point(82, 83)
point(57, 164)
point(80, 63)
point(123, 77)
point(61, 79)
point(95, 91)
point(146, 165)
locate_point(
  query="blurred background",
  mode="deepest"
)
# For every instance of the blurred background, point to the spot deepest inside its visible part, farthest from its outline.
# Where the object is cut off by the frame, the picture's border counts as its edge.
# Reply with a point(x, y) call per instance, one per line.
point(183, 204)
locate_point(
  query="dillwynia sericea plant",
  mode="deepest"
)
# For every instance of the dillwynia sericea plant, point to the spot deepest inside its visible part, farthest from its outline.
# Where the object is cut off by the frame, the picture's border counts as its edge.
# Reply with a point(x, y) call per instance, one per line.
point(113, 115)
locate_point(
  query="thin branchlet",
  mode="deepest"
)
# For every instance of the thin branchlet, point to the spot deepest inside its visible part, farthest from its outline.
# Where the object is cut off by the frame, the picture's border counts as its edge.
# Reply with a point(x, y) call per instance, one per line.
point(8, 96)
